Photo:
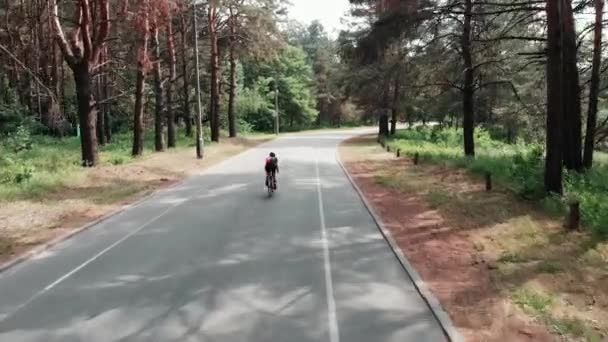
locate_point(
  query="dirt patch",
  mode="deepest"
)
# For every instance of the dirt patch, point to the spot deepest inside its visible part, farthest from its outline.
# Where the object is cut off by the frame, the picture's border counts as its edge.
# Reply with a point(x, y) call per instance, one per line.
point(27, 223)
point(503, 270)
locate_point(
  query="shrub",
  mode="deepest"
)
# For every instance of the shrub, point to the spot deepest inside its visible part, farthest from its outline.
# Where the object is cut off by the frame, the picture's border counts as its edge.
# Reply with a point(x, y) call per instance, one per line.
point(15, 172)
point(520, 167)
point(19, 140)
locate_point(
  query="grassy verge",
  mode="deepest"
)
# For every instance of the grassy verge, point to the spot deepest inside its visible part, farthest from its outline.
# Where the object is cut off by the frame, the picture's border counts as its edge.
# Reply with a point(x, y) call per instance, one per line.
point(49, 165)
point(45, 193)
point(557, 278)
point(518, 167)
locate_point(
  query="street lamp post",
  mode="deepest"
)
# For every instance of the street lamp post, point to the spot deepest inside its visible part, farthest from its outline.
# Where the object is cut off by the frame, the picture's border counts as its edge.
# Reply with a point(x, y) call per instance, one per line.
point(276, 107)
point(199, 123)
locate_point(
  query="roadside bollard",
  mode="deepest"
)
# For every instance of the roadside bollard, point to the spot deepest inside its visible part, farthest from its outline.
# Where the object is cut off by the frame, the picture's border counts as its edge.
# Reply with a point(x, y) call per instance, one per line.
point(574, 219)
point(398, 153)
point(416, 158)
point(488, 181)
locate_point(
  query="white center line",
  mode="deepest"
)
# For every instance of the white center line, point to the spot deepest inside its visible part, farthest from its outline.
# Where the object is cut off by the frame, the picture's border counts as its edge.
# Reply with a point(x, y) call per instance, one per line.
point(334, 332)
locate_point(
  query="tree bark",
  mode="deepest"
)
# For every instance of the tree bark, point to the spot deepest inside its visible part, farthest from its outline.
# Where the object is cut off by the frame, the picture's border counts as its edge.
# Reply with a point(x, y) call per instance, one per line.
point(159, 117)
point(101, 137)
point(383, 121)
point(87, 114)
point(594, 86)
point(82, 55)
point(170, 86)
point(553, 160)
point(468, 92)
point(215, 72)
point(108, 105)
point(232, 91)
point(101, 96)
point(572, 117)
point(395, 107)
point(186, 90)
point(140, 85)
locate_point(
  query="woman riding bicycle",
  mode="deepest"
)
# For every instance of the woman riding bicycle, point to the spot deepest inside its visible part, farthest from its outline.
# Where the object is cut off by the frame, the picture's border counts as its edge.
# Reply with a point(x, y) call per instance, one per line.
point(272, 168)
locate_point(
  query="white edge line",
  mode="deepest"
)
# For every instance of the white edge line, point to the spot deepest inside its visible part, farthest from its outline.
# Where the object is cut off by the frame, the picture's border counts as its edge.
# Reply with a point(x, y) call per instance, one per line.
point(27, 256)
point(21, 259)
point(86, 263)
point(334, 332)
point(438, 311)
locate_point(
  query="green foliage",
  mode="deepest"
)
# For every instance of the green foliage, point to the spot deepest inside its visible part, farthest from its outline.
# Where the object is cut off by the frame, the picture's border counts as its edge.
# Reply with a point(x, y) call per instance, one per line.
point(47, 166)
point(11, 117)
point(294, 78)
point(591, 190)
point(532, 302)
point(19, 140)
point(518, 167)
point(254, 110)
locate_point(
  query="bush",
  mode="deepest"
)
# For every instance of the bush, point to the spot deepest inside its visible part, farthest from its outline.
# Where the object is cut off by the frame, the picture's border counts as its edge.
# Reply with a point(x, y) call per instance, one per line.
point(520, 167)
point(11, 118)
point(15, 172)
point(19, 140)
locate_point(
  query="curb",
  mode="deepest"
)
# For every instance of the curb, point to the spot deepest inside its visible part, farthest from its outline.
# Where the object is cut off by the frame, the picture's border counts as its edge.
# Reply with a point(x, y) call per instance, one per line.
point(437, 310)
point(25, 256)
point(49, 244)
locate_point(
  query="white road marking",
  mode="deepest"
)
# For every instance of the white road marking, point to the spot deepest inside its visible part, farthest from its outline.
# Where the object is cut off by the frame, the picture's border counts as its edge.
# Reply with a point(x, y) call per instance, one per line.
point(334, 332)
point(86, 263)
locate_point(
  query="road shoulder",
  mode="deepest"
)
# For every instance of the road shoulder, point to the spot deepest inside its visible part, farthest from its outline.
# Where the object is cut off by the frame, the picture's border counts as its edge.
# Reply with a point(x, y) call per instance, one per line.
point(442, 256)
point(30, 226)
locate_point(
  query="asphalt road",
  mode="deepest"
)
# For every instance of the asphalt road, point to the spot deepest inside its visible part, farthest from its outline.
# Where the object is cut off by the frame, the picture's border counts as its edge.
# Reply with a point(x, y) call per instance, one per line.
point(215, 259)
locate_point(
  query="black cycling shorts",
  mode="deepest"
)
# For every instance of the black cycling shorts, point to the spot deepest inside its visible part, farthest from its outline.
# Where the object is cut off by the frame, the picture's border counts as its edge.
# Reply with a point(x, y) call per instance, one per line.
point(270, 168)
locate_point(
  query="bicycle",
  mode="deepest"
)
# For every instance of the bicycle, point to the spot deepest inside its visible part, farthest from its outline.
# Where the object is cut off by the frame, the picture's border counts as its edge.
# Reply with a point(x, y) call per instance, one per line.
point(271, 184)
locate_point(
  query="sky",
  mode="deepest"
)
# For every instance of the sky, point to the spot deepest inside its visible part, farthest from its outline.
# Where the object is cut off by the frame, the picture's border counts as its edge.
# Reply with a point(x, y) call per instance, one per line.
point(328, 12)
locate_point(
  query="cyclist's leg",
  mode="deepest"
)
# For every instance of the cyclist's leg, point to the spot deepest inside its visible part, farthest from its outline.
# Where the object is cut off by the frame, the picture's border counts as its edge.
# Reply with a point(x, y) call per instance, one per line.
point(274, 177)
point(268, 172)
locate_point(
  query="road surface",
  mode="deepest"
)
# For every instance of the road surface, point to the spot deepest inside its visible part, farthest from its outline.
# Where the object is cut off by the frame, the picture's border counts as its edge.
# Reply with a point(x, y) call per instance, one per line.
point(215, 259)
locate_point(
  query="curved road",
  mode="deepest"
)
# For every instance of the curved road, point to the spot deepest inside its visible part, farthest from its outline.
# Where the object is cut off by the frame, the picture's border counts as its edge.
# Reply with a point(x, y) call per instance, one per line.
point(214, 259)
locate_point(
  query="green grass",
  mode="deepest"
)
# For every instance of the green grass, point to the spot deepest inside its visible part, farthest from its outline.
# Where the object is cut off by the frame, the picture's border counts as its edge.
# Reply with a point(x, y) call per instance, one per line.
point(549, 267)
point(532, 302)
point(538, 305)
point(518, 167)
point(513, 258)
point(50, 163)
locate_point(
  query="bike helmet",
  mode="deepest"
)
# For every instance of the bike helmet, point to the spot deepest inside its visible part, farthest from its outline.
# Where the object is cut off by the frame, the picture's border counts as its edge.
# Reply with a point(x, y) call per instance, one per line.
point(272, 154)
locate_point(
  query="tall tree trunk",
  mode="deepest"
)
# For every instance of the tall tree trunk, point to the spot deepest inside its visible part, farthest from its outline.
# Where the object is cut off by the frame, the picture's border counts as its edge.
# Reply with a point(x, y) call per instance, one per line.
point(215, 73)
point(82, 58)
point(395, 107)
point(232, 91)
point(140, 85)
point(594, 86)
point(383, 122)
point(553, 160)
point(186, 90)
point(87, 114)
point(101, 136)
point(101, 115)
point(468, 92)
point(170, 86)
point(572, 117)
point(159, 117)
point(108, 105)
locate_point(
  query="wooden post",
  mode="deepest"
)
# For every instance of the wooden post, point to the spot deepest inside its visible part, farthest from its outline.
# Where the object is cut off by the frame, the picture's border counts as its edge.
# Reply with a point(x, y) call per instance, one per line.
point(388, 148)
point(574, 219)
point(398, 153)
point(416, 158)
point(488, 181)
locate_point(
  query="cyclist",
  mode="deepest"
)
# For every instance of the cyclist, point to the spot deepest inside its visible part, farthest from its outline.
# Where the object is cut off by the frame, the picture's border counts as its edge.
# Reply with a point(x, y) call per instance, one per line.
point(272, 168)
